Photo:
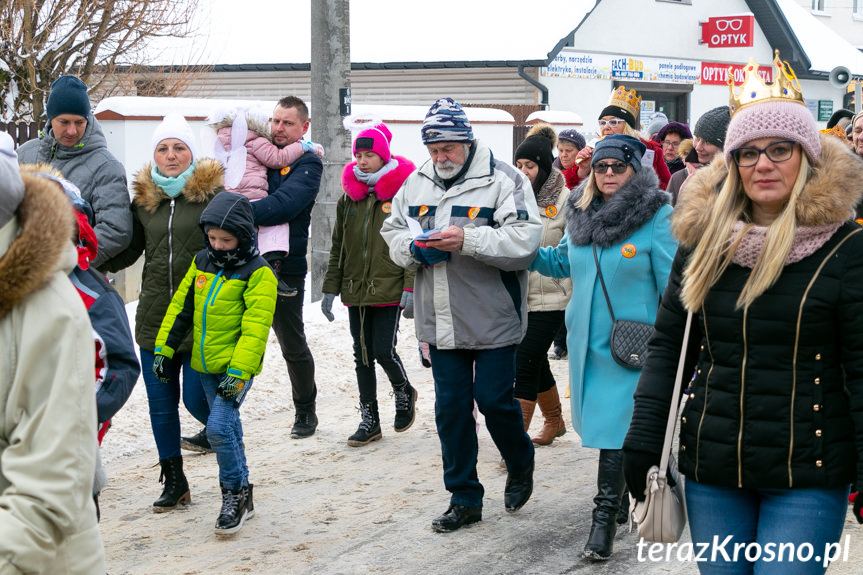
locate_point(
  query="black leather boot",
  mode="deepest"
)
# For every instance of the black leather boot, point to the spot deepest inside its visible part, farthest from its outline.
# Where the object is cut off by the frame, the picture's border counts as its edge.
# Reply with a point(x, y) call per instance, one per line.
point(370, 427)
point(610, 486)
point(176, 491)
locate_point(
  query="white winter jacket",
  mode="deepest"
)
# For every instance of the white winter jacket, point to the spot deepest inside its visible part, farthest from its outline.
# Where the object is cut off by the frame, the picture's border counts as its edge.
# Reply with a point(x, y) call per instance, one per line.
point(477, 299)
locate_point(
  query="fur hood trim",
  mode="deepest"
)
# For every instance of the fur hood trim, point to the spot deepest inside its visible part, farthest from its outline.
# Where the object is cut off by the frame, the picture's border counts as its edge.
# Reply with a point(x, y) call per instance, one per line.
point(261, 127)
point(45, 219)
point(203, 184)
point(830, 195)
point(605, 223)
point(386, 187)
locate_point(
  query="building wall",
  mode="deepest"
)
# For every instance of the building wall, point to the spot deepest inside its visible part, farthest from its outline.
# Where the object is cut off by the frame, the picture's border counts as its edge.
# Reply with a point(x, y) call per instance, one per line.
point(841, 17)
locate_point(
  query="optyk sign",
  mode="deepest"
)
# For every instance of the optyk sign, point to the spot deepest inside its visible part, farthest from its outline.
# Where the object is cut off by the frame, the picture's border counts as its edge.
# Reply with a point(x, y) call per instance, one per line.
point(728, 31)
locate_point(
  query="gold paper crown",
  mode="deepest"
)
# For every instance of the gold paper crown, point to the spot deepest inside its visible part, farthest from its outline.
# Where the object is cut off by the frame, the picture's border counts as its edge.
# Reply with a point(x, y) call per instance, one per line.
point(627, 100)
point(785, 86)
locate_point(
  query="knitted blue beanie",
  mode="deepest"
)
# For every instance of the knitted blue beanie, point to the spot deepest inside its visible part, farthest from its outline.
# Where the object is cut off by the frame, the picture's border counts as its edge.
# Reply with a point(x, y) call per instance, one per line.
point(446, 122)
point(68, 96)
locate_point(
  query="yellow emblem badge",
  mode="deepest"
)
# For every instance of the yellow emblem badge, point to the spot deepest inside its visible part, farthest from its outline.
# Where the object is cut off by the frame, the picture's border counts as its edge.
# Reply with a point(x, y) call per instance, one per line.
point(387, 207)
point(628, 250)
point(551, 211)
point(473, 213)
point(285, 170)
point(859, 221)
point(424, 210)
point(201, 281)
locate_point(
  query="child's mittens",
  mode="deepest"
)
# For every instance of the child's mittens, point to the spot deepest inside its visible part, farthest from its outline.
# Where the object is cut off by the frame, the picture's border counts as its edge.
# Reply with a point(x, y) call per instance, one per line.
point(230, 387)
point(313, 147)
point(160, 368)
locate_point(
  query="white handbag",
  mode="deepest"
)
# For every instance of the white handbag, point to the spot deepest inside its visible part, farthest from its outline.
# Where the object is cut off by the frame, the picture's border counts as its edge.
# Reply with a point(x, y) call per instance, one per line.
point(661, 517)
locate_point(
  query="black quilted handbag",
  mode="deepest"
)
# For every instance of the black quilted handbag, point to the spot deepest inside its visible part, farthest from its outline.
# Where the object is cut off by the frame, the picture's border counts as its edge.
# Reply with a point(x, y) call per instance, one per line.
point(628, 338)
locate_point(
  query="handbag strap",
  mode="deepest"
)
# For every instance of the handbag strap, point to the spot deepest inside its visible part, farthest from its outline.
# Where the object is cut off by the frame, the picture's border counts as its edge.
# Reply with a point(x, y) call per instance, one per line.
point(602, 283)
point(675, 401)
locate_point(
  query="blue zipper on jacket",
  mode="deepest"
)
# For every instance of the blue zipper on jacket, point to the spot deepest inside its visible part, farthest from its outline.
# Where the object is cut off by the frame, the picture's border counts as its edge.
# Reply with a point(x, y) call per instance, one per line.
point(211, 300)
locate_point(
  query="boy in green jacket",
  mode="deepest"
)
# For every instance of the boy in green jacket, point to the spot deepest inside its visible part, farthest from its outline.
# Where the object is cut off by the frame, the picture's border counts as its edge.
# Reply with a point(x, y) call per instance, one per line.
point(228, 297)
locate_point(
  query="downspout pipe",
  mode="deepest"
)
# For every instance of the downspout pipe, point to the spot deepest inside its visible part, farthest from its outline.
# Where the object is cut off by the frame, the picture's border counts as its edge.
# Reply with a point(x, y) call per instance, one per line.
point(543, 90)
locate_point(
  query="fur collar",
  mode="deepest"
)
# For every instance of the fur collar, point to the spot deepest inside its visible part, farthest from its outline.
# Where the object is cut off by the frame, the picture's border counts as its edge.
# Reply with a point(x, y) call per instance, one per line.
point(830, 196)
point(607, 222)
point(205, 181)
point(44, 237)
point(386, 187)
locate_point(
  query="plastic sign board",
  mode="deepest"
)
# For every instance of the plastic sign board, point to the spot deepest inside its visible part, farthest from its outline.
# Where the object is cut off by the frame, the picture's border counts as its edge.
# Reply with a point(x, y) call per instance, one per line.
point(728, 31)
point(716, 73)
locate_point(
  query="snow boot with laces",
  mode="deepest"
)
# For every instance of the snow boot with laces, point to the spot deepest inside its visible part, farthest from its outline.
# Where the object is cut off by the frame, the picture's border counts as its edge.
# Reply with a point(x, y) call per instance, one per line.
point(234, 511)
point(176, 490)
point(370, 427)
point(406, 403)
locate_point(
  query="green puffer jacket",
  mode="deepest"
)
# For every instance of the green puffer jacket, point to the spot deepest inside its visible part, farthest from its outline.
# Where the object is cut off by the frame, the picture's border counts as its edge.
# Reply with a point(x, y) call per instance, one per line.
point(360, 268)
point(233, 311)
point(166, 231)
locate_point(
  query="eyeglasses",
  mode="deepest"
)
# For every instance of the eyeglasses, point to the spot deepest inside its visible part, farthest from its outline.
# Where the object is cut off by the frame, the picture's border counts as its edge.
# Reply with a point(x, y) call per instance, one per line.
point(671, 144)
point(613, 123)
point(776, 152)
point(616, 167)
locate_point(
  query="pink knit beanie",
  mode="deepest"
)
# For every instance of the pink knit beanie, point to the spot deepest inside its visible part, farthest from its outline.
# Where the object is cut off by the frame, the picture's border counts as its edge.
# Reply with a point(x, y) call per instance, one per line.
point(773, 119)
point(375, 140)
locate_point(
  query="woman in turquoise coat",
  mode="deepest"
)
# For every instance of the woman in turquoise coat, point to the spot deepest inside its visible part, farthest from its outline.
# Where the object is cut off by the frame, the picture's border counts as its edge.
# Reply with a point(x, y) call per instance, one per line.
point(620, 211)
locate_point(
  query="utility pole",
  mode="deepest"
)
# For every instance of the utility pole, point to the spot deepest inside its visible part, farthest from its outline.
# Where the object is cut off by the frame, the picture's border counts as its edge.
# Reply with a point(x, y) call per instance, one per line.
point(331, 81)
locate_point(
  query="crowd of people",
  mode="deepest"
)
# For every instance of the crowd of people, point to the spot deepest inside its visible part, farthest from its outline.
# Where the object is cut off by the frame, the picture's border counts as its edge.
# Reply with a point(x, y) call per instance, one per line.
point(742, 227)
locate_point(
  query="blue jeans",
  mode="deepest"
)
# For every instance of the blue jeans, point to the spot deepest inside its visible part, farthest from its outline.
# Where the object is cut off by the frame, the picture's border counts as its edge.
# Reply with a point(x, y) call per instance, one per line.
point(164, 400)
point(225, 433)
point(485, 375)
point(769, 518)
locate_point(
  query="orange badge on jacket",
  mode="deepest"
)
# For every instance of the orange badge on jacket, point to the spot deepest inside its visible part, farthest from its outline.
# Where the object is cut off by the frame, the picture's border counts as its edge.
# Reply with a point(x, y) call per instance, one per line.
point(628, 250)
point(473, 213)
point(424, 210)
point(201, 281)
point(551, 211)
point(387, 207)
point(285, 170)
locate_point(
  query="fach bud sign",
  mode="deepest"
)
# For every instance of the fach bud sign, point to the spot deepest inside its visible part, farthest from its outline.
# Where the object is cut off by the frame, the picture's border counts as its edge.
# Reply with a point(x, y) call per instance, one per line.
point(728, 31)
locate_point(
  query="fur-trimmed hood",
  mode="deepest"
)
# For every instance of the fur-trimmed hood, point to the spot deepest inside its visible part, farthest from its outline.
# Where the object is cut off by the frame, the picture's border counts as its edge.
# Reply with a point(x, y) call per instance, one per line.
point(607, 222)
point(830, 195)
point(43, 244)
point(386, 187)
point(203, 184)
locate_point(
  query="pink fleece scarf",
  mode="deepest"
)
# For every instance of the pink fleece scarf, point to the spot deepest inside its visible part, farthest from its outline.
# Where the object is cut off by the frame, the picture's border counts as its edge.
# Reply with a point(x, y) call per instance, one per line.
point(807, 240)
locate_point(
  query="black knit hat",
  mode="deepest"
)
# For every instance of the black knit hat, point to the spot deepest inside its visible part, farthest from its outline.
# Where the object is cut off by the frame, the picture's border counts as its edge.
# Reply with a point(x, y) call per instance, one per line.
point(712, 125)
point(618, 112)
point(572, 136)
point(68, 96)
point(536, 149)
point(838, 115)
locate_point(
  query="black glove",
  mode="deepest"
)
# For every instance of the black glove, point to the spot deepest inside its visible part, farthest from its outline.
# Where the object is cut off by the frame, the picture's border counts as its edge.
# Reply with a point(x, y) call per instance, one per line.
point(161, 363)
point(636, 464)
point(858, 507)
point(230, 387)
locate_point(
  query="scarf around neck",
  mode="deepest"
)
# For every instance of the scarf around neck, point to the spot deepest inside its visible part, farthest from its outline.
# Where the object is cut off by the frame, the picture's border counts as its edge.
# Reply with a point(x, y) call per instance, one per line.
point(807, 240)
point(372, 178)
point(171, 186)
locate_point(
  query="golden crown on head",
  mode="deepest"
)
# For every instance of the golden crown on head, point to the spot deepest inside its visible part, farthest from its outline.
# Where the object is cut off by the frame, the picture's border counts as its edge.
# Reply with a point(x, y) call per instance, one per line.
point(627, 100)
point(785, 86)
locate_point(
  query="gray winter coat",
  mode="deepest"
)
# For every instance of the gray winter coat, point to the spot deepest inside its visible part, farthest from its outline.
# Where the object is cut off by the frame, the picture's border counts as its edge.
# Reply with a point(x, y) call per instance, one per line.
point(100, 177)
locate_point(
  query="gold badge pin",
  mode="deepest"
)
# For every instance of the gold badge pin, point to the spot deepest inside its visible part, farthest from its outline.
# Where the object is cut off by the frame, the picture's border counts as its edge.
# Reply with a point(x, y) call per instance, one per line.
point(628, 250)
point(285, 170)
point(424, 210)
point(201, 281)
point(551, 211)
point(473, 213)
point(387, 207)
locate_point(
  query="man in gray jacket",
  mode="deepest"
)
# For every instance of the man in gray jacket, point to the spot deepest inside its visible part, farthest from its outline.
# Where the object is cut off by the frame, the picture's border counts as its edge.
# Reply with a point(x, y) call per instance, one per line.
point(75, 145)
point(482, 230)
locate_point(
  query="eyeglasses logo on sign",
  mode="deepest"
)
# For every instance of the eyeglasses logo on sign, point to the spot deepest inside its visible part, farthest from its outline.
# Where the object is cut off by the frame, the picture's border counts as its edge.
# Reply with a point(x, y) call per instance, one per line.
point(728, 31)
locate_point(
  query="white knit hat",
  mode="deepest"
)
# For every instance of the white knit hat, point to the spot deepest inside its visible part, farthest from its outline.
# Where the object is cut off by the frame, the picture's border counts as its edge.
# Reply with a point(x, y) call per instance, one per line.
point(175, 126)
point(11, 185)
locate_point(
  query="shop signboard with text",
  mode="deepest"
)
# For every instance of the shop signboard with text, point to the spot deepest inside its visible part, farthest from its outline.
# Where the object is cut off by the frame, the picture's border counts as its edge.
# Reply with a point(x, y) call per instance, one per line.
point(618, 67)
point(728, 31)
point(716, 73)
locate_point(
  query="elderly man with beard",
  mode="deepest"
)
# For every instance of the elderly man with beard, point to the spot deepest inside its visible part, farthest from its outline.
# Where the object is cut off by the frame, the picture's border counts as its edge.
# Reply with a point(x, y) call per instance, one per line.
point(481, 231)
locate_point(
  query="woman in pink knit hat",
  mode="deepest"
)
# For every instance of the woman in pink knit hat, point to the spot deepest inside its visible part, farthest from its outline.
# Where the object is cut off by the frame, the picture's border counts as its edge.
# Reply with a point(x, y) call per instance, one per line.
point(373, 288)
point(770, 265)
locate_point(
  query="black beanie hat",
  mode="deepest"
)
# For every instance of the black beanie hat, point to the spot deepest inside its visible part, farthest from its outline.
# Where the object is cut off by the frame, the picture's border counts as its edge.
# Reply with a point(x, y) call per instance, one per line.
point(838, 115)
point(536, 149)
point(68, 96)
point(712, 125)
point(618, 112)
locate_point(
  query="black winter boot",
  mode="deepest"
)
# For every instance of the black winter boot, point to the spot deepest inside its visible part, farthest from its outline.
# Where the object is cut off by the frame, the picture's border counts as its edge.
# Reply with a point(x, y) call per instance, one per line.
point(234, 511)
point(406, 403)
point(250, 504)
point(610, 485)
point(197, 442)
point(176, 489)
point(370, 427)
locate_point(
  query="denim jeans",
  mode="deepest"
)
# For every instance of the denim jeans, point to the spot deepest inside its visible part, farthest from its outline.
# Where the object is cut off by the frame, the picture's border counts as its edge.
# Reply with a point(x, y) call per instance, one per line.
point(485, 375)
point(164, 400)
point(225, 433)
point(770, 518)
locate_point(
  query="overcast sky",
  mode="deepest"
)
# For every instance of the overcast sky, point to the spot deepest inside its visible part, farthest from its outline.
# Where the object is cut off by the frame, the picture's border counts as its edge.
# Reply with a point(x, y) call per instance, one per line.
point(279, 31)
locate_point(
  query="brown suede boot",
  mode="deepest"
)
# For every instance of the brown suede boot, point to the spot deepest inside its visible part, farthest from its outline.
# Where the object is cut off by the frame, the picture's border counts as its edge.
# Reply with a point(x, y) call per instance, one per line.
point(527, 408)
point(549, 404)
